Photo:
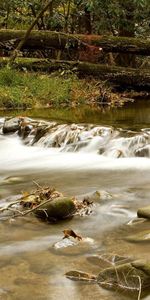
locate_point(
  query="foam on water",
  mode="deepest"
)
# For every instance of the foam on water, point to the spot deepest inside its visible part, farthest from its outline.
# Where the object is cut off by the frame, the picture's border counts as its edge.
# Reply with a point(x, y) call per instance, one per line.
point(14, 155)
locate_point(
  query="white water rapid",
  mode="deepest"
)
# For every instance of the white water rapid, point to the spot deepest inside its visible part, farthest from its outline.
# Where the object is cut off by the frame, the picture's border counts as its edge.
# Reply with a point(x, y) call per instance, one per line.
point(79, 150)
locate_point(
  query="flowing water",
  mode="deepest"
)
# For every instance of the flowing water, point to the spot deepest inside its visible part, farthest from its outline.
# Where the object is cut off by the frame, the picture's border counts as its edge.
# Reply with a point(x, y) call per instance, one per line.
point(113, 157)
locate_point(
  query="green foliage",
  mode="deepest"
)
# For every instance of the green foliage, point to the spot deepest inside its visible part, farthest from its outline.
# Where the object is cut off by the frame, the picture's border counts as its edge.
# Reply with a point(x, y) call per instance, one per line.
point(14, 90)
point(112, 15)
point(70, 15)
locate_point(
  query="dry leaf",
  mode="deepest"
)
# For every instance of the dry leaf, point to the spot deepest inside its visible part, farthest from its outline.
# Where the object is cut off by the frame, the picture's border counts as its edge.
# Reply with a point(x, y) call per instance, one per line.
point(70, 233)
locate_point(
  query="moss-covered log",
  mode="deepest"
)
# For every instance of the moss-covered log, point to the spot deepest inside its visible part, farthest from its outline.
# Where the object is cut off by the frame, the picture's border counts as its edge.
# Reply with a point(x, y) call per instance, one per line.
point(124, 77)
point(59, 40)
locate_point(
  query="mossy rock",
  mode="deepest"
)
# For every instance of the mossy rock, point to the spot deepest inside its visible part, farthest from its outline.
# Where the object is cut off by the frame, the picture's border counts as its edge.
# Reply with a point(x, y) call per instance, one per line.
point(57, 209)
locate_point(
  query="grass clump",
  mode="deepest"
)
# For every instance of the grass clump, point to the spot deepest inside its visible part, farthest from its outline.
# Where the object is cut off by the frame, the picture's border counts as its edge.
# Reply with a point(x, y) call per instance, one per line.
point(20, 89)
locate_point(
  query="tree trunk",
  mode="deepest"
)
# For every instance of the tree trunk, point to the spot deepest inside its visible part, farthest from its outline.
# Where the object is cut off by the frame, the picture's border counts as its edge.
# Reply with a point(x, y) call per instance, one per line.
point(27, 33)
point(123, 77)
point(87, 20)
point(51, 39)
point(127, 29)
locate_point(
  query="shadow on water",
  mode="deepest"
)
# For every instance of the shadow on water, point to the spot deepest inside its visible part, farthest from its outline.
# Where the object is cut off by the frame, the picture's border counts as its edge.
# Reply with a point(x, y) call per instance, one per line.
point(131, 115)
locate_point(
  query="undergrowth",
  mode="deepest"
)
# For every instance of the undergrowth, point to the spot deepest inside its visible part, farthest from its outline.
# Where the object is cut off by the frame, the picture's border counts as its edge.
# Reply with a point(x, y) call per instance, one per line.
point(20, 89)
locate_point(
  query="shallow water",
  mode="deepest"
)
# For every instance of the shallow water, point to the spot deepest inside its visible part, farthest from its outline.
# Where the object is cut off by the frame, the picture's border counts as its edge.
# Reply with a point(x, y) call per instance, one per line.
point(30, 266)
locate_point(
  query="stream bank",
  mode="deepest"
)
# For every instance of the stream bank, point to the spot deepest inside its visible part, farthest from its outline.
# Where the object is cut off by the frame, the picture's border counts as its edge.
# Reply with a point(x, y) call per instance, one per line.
point(61, 89)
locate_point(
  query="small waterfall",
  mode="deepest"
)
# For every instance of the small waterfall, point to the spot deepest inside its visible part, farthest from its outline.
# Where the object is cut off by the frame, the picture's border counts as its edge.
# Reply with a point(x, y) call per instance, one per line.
point(104, 141)
point(85, 138)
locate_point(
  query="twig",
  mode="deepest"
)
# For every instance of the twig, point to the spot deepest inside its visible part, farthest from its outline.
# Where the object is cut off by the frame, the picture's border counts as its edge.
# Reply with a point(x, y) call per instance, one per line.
point(9, 205)
point(140, 286)
point(34, 208)
point(38, 185)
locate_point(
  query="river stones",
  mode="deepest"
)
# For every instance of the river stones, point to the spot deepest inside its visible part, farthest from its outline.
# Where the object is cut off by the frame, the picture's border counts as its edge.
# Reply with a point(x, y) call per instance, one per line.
point(58, 209)
point(144, 212)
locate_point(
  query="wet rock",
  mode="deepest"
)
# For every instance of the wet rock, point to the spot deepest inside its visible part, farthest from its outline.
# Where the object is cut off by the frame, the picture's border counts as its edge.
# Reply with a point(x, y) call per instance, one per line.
point(141, 265)
point(12, 180)
point(74, 127)
point(57, 209)
point(144, 212)
point(136, 221)
point(143, 152)
point(70, 239)
point(42, 130)
point(141, 237)
point(126, 276)
point(11, 125)
point(72, 247)
point(25, 129)
point(15, 124)
point(81, 276)
point(131, 277)
point(64, 243)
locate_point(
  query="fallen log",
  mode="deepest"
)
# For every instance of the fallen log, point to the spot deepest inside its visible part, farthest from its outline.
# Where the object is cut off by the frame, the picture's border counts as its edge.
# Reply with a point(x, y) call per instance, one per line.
point(138, 79)
point(58, 40)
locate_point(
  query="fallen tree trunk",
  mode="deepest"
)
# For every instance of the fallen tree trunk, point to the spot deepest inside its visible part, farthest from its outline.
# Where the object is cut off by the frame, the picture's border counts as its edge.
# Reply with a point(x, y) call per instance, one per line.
point(124, 77)
point(48, 39)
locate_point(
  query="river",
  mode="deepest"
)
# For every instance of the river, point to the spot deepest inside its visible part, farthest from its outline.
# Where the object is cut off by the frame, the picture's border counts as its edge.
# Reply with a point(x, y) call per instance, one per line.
point(30, 266)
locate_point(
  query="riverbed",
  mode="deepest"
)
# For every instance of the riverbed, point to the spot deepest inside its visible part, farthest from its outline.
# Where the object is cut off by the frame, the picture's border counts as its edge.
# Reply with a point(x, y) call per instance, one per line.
point(31, 267)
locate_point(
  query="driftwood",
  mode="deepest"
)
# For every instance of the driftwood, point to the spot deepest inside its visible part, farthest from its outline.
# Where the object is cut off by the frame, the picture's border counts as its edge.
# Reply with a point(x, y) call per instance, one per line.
point(59, 40)
point(119, 76)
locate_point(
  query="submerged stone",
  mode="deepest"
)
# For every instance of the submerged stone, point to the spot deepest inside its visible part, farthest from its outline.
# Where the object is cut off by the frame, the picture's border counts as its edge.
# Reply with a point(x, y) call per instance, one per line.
point(140, 237)
point(129, 276)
